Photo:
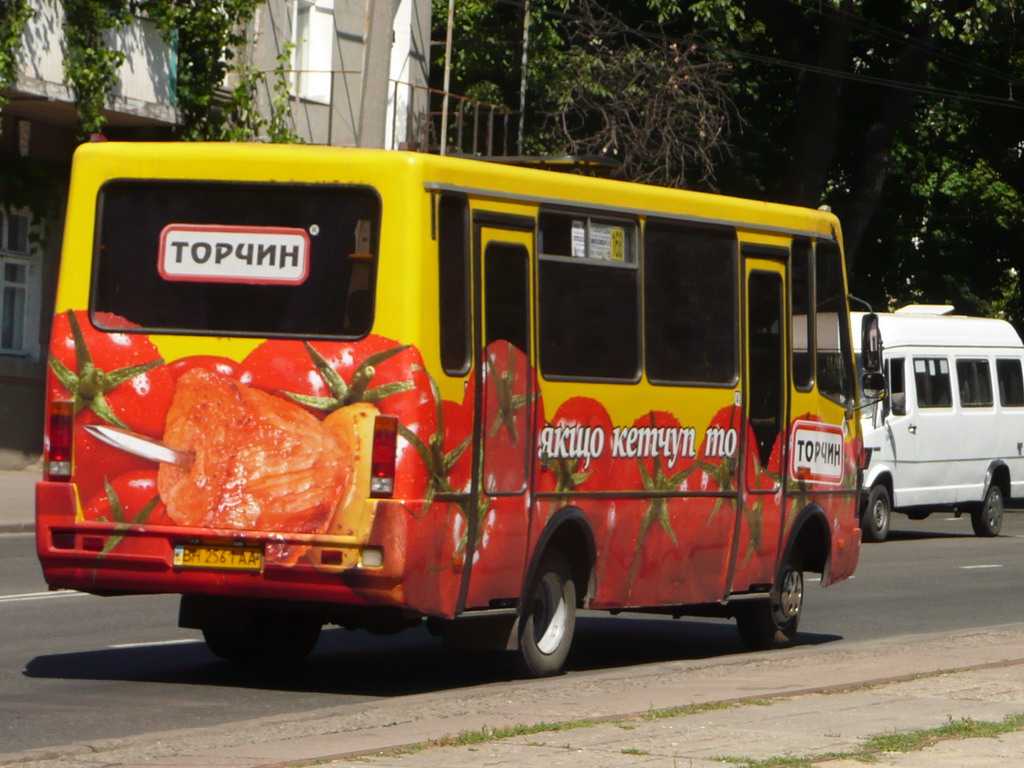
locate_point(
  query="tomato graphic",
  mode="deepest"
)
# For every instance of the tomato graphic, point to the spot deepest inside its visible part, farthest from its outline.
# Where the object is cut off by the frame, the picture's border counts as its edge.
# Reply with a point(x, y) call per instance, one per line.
point(261, 462)
point(511, 401)
point(580, 432)
point(222, 365)
point(131, 498)
point(510, 386)
point(113, 378)
point(654, 534)
point(328, 377)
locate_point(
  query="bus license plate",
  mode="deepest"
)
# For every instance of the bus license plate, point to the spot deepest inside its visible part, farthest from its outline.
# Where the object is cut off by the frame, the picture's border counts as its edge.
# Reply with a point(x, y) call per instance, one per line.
point(210, 556)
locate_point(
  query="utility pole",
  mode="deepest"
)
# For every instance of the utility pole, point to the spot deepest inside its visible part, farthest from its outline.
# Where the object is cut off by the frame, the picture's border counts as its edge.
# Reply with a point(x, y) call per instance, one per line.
point(447, 77)
point(373, 107)
point(522, 84)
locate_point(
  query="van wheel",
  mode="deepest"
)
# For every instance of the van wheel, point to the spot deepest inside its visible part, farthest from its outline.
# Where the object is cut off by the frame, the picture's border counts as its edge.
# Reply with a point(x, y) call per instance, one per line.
point(548, 618)
point(766, 624)
point(874, 522)
point(987, 517)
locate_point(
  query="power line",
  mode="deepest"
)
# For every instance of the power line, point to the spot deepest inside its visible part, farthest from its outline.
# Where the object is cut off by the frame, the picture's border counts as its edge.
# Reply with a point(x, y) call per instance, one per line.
point(875, 80)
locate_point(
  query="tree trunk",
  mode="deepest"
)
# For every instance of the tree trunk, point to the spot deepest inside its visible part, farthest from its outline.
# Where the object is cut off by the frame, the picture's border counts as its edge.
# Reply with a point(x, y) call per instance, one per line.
point(872, 170)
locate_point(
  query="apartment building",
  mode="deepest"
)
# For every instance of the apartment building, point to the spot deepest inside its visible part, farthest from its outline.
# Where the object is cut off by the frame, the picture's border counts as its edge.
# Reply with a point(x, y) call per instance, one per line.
point(356, 75)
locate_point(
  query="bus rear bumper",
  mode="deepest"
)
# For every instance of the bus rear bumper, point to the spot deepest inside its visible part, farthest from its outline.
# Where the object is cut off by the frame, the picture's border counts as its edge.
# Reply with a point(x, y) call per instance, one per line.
point(107, 558)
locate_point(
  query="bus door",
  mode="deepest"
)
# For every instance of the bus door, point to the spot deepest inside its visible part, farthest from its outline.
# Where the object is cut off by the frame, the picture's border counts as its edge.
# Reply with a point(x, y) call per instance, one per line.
point(759, 524)
point(504, 409)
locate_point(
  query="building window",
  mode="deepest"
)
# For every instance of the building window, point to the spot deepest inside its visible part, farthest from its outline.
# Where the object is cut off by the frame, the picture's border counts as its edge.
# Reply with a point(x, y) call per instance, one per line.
point(14, 282)
point(314, 45)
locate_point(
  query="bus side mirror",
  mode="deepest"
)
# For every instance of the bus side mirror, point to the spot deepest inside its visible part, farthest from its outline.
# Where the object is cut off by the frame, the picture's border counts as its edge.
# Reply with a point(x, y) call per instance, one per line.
point(871, 345)
point(873, 384)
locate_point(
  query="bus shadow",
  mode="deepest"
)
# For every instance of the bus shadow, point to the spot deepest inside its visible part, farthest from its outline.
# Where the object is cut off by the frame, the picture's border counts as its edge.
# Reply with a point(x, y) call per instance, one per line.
point(356, 663)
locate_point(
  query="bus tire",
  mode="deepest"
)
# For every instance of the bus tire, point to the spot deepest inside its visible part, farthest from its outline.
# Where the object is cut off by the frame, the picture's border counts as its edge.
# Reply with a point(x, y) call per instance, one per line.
point(772, 623)
point(987, 517)
point(271, 644)
point(548, 617)
point(874, 522)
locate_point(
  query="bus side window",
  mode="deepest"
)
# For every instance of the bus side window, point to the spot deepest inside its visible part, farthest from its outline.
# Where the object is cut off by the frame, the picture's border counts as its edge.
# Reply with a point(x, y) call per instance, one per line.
point(453, 277)
point(803, 318)
point(507, 295)
point(835, 376)
point(691, 302)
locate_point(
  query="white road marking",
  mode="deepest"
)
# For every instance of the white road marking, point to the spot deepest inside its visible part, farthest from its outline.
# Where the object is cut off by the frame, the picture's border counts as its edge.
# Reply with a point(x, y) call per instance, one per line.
point(979, 567)
point(40, 596)
point(184, 641)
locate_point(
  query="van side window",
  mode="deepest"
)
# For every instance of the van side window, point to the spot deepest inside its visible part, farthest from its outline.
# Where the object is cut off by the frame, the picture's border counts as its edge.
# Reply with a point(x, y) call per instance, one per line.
point(931, 379)
point(897, 400)
point(1011, 383)
point(975, 383)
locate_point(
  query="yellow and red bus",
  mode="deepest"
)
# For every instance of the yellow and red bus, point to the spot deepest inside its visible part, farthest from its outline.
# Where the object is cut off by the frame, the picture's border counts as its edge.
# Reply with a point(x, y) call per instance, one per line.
point(303, 386)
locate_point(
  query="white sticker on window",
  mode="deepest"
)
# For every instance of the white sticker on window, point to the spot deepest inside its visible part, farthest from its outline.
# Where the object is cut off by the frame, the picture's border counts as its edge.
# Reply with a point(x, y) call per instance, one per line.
point(224, 253)
point(817, 453)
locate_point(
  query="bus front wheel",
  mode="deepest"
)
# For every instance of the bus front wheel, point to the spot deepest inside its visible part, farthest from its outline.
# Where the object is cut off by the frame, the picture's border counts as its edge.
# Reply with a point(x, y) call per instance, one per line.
point(548, 617)
point(765, 624)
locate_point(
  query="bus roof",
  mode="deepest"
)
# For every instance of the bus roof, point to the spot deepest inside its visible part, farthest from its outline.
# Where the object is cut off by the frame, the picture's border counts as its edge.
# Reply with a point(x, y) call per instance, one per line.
point(318, 164)
point(922, 329)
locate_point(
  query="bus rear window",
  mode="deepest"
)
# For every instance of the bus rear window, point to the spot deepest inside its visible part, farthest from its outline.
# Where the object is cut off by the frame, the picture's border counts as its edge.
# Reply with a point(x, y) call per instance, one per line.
point(227, 258)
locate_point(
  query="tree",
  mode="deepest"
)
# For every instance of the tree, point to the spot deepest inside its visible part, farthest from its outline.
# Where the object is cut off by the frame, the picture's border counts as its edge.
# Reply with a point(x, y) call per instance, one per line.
point(900, 116)
point(597, 83)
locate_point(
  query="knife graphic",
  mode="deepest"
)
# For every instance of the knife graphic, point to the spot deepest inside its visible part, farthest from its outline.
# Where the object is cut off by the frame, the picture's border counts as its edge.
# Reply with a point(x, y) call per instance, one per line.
point(140, 445)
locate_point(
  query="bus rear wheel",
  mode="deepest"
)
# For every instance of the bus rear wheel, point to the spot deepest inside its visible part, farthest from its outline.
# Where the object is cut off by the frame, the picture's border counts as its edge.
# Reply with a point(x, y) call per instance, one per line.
point(548, 617)
point(987, 517)
point(273, 643)
point(765, 624)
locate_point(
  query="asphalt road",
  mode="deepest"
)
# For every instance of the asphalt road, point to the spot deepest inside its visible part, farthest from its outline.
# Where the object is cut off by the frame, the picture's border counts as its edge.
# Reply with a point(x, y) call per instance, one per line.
point(81, 667)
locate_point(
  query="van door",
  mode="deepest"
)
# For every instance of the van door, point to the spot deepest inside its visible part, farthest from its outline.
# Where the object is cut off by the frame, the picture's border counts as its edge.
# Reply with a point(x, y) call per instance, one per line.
point(931, 431)
point(505, 395)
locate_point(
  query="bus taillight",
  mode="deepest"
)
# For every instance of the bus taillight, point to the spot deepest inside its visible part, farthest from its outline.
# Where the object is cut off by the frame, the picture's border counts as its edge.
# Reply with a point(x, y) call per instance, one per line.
point(385, 448)
point(61, 434)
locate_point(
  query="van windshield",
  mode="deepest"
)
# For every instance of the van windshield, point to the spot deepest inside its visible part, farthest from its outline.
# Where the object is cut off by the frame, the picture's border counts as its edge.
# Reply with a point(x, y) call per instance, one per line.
point(235, 258)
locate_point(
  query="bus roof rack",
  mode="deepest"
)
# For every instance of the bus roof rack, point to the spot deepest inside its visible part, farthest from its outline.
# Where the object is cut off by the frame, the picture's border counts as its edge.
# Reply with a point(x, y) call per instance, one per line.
point(593, 164)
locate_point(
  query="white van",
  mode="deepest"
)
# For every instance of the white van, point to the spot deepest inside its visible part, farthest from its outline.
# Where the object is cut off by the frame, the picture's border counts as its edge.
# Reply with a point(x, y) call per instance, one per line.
point(950, 430)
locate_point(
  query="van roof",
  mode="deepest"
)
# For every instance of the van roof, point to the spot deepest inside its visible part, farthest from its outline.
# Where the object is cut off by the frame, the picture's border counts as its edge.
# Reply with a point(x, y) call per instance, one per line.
point(923, 329)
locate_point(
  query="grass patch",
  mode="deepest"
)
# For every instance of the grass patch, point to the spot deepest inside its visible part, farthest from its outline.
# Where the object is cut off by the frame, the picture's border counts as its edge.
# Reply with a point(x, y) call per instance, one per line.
point(910, 741)
point(965, 728)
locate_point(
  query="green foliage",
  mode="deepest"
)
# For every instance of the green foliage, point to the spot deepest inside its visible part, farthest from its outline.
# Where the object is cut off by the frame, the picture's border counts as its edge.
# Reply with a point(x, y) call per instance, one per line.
point(91, 66)
point(14, 15)
point(243, 122)
point(597, 82)
point(204, 34)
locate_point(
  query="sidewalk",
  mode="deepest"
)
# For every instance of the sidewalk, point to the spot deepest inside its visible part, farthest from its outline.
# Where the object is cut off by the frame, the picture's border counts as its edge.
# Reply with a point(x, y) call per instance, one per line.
point(17, 498)
point(813, 702)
